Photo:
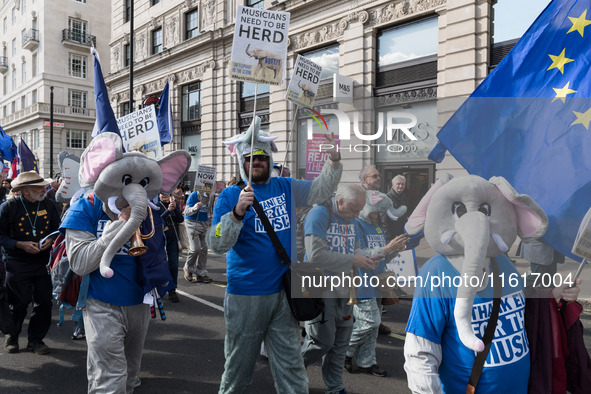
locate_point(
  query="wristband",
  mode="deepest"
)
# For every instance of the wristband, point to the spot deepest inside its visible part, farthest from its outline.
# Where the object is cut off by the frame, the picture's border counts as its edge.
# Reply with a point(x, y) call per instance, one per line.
point(239, 217)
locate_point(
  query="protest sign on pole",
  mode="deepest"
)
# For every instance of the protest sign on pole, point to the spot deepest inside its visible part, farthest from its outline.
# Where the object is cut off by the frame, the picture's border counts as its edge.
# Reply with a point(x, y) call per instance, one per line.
point(315, 157)
point(259, 49)
point(139, 132)
point(304, 82)
point(205, 179)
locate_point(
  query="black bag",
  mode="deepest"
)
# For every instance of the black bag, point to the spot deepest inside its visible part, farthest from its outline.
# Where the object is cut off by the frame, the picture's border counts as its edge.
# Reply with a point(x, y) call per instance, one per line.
point(302, 308)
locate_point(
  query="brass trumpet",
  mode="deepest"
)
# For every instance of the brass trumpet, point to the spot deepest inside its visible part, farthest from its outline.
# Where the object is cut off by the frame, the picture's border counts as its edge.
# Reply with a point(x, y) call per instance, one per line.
point(137, 247)
point(352, 292)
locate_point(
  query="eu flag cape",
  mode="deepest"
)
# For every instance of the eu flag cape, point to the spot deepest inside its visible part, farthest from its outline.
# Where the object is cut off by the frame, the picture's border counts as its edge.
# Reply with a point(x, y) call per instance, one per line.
point(27, 158)
point(528, 121)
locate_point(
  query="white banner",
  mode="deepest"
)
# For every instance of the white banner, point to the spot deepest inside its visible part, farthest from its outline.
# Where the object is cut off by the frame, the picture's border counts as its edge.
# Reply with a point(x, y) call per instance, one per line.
point(139, 132)
point(259, 49)
point(304, 82)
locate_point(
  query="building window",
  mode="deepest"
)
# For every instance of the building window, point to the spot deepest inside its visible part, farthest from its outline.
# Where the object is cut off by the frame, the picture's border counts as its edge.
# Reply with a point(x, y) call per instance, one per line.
point(191, 101)
point(77, 66)
point(407, 42)
point(23, 7)
point(125, 108)
point(13, 16)
point(4, 85)
point(77, 139)
point(13, 79)
point(154, 2)
point(24, 73)
point(77, 100)
point(127, 56)
point(34, 65)
point(77, 29)
point(255, 3)
point(156, 41)
point(23, 102)
point(13, 105)
point(81, 1)
point(328, 58)
point(248, 89)
point(5, 25)
point(191, 24)
point(14, 47)
point(128, 10)
point(34, 97)
point(34, 139)
point(24, 36)
point(510, 20)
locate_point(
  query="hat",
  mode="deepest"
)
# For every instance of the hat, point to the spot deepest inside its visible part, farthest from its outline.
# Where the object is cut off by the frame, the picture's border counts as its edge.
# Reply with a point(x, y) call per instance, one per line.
point(29, 178)
point(256, 152)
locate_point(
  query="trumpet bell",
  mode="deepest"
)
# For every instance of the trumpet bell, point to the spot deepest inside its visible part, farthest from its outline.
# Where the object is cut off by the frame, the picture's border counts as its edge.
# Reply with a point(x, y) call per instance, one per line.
point(137, 246)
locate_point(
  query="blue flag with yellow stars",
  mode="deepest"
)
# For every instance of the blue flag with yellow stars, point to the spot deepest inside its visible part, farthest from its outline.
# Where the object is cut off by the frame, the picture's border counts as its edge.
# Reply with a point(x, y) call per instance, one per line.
point(529, 120)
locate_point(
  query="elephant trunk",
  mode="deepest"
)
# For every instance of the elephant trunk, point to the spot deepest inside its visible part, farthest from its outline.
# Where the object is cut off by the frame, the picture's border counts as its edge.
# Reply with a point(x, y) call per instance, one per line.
point(473, 228)
point(246, 50)
point(135, 195)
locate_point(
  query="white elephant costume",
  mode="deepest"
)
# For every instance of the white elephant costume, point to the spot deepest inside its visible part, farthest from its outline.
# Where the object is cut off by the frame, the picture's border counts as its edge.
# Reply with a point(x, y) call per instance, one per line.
point(469, 221)
point(116, 319)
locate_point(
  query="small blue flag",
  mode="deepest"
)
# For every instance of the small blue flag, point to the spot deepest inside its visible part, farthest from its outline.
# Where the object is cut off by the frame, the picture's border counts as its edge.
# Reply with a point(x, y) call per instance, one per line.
point(105, 117)
point(8, 150)
point(529, 120)
point(164, 115)
point(27, 158)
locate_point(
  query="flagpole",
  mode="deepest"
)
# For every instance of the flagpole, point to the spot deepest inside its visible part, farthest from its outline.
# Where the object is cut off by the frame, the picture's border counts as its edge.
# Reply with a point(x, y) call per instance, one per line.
point(254, 114)
point(289, 136)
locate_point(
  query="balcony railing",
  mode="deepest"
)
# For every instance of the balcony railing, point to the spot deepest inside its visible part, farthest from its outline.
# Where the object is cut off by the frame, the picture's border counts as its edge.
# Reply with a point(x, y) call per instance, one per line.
point(43, 109)
point(76, 37)
point(3, 64)
point(31, 39)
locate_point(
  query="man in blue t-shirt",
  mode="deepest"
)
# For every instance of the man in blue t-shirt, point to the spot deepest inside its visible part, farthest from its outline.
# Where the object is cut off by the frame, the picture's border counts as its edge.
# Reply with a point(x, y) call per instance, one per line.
point(256, 307)
point(197, 221)
point(330, 245)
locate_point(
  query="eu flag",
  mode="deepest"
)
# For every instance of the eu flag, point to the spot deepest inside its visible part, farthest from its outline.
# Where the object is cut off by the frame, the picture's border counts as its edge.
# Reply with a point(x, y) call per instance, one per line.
point(164, 115)
point(529, 120)
point(105, 117)
point(27, 158)
point(8, 149)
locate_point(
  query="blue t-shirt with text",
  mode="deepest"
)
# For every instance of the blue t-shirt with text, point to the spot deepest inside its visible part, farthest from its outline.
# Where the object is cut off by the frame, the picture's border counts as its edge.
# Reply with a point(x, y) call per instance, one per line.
point(507, 365)
point(122, 288)
point(253, 266)
point(200, 216)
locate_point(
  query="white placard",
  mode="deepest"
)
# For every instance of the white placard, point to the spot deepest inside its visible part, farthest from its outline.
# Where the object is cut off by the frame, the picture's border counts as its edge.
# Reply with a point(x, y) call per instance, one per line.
point(342, 89)
point(304, 82)
point(404, 266)
point(205, 179)
point(139, 132)
point(259, 49)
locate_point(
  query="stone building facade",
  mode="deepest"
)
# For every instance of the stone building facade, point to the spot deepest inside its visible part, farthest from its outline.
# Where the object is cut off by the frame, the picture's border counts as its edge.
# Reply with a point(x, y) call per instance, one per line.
point(44, 44)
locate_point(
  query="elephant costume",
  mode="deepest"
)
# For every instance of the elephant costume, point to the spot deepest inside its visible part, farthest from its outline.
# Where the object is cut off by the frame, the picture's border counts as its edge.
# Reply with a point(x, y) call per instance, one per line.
point(469, 221)
point(116, 318)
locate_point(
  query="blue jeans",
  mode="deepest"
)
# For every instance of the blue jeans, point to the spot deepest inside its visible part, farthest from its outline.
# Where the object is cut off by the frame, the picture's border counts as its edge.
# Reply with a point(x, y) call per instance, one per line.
point(249, 320)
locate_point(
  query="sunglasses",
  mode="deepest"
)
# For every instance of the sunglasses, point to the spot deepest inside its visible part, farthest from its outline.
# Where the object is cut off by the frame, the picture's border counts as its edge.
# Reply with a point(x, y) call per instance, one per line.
point(258, 157)
point(374, 176)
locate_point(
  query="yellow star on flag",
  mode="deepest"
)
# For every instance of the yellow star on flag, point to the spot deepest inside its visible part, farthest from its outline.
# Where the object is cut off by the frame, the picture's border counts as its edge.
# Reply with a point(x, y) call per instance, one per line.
point(559, 61)
point(579, 23)
point(561, 93)
point(582, 118)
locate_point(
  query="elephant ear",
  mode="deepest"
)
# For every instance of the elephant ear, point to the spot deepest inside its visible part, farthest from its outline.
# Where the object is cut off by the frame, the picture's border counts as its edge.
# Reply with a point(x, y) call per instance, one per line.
point(532, 222)
point(103, 150)
point(416, 221)
point(174, 167)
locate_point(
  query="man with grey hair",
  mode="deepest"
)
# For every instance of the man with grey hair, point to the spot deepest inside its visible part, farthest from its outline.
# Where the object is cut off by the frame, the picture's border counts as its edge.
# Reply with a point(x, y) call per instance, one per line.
point(370, 178)
point(330, 245)
point(396, 194)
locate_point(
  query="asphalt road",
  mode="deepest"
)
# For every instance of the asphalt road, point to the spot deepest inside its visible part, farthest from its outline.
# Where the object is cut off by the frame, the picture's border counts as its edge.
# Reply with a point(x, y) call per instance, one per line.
point(184, 353)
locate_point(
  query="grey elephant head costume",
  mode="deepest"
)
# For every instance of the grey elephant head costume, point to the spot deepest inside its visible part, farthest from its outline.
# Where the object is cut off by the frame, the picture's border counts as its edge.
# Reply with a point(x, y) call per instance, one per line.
point(469, 220)
point(127, 179)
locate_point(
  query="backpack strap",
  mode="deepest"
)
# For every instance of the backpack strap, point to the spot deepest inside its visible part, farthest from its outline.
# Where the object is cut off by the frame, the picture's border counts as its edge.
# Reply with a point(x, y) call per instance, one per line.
point(279, 249)
point(489, 332)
